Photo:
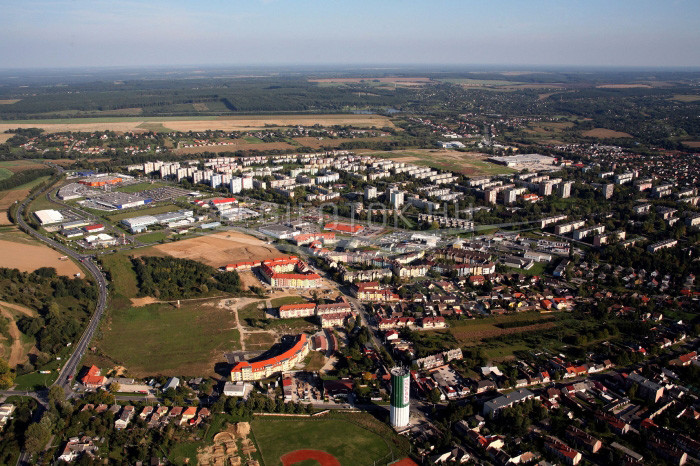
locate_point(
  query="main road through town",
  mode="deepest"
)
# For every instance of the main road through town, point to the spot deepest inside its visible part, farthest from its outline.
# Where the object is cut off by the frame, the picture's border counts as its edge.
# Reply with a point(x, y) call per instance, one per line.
point(71, 365)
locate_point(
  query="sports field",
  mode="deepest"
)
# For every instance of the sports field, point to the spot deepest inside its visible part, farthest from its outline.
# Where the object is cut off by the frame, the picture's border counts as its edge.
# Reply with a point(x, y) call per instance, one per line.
point(349, 443)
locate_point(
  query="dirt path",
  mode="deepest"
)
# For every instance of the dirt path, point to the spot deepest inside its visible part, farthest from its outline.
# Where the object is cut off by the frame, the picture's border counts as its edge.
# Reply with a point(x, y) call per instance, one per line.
point(16, 350)
point(19, 308)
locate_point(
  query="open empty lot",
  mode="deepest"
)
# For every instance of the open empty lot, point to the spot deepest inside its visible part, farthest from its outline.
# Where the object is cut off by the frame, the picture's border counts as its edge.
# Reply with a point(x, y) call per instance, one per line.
point(159, 339)
point(603, 133)
point(466, 163)
point(217, 250)
point(19, 251)
point(232, 123)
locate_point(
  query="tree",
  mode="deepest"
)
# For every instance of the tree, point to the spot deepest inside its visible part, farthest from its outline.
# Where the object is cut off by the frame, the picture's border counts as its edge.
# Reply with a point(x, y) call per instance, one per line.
point(56, 394)
point(37, 436)
point(114, 387)
point(7, 377)
point(435, 395)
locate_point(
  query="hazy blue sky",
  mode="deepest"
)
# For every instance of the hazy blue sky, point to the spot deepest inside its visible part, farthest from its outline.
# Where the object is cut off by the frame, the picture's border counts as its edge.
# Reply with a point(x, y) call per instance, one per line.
point(70, 33)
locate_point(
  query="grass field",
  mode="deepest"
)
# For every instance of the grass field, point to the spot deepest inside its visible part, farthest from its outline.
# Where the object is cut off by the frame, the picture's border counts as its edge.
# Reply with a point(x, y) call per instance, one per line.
point(475, 330)
point(603, 133)
point(348, 442)
point(153, 237)
point(469, 164)
point(160, 339)
point(5, 173)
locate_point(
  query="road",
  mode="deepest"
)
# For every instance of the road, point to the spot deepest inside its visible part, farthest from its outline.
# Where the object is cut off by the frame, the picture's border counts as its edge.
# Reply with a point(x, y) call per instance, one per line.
point(71, 365)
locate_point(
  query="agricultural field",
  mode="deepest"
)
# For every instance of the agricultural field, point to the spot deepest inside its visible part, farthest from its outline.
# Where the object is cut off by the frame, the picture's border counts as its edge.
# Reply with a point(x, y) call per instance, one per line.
point(686, 98)
point(470, 164)
point(196, 123)
point(217, 250)
point(347, 441)
point(603, 133)
point(317, 143)
point(469, 332)
point(20, 251)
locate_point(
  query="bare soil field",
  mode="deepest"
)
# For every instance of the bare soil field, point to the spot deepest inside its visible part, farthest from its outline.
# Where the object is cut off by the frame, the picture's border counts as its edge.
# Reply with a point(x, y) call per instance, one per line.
point(5, 136)
point(605, 133)
point(29, 256)
point(381, 80)
point(218, 249)
point(242, 123)
point(316, 143)
point(466, 163)
point(7, 198)
point(9, 101)
point(686, 98)
point(692, 144)
point(624, 86)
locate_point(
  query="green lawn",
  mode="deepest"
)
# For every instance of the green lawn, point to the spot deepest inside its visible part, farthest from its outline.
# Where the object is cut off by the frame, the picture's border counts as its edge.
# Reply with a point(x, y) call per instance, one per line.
point(153, 237)
point(122, 274)
point(348, 442)
point(160, 339)
point(135, 188)
point(277, 302)
point(34, 379)
point(5, 173)
point(252, 140)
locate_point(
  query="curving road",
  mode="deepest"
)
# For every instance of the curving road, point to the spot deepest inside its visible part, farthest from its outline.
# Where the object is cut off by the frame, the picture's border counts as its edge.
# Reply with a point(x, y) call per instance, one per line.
point(71, 364)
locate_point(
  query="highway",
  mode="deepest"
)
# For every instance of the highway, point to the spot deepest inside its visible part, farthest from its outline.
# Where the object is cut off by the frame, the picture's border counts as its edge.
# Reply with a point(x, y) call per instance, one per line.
point(71, 365)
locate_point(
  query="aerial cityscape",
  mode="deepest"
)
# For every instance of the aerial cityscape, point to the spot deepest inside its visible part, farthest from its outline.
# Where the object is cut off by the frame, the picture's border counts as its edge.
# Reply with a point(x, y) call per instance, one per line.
point(300, 233)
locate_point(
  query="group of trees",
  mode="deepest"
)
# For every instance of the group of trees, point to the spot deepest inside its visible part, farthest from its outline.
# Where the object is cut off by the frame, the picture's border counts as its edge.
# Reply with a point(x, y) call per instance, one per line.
point(173, 278)
point(63, 306)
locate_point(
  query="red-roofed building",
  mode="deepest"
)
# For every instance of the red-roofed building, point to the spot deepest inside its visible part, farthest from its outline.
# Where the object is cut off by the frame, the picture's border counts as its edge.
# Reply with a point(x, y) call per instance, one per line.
point(285, 361)
point(94, 228)
point(223, 202)
point(289, 311)
point(92, 378)
point(344, 228)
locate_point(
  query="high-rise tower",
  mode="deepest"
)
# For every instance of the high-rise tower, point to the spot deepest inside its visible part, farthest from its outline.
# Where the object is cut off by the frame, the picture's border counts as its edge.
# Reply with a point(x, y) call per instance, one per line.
point(400, 397)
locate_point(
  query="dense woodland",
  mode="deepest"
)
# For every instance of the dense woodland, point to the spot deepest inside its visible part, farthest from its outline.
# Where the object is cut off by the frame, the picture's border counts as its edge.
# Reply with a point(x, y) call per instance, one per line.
point(63, 305)
point(171, 278)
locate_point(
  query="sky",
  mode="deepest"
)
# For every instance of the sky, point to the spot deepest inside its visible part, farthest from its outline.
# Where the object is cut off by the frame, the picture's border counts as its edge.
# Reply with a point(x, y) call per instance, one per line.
point(131, 33)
